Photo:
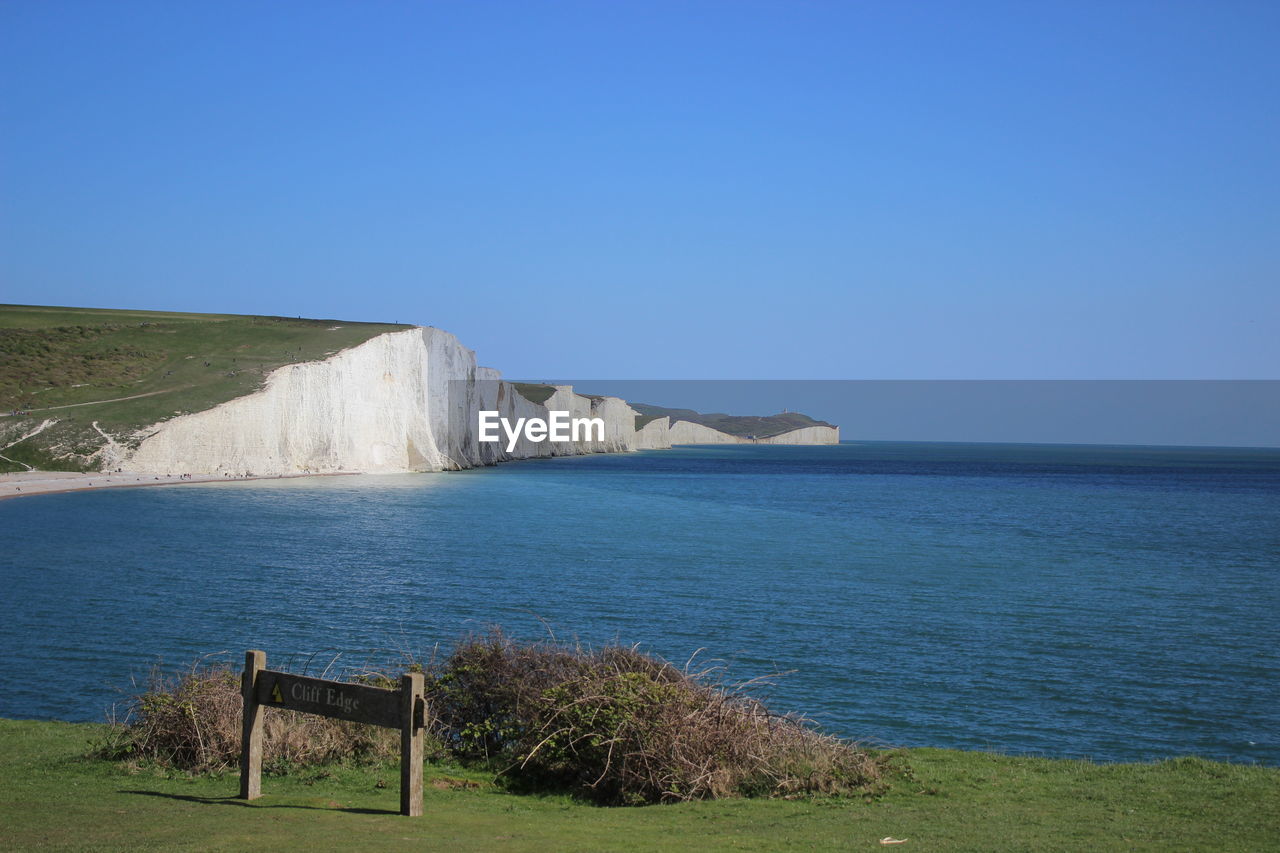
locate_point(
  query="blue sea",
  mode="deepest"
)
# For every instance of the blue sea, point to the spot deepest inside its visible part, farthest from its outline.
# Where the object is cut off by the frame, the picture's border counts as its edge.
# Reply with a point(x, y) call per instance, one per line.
point(1116, 603)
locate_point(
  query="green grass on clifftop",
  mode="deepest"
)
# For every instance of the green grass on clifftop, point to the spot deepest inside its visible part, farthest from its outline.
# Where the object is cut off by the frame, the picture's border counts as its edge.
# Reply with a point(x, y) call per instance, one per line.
point(534, 392)
point(128, 369)
point(52, 797)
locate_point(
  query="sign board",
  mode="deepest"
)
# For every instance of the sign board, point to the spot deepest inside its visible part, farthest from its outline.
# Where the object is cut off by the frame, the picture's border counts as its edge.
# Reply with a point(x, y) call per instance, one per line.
point(404, 709)
point(356, 702)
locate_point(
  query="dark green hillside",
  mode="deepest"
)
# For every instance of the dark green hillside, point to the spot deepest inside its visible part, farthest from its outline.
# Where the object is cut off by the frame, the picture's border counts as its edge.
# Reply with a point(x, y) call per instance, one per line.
point(740, 425)
point(126, 369)
point(534, 392)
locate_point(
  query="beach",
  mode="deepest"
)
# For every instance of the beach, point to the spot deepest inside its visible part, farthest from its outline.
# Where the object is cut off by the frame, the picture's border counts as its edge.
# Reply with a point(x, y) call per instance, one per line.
point(27, 483)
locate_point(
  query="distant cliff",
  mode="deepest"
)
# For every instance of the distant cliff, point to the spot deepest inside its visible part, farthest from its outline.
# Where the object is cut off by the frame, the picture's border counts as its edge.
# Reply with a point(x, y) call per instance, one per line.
point(690, 427)
point(396, 401)
point(403, 401)
point(687, 432)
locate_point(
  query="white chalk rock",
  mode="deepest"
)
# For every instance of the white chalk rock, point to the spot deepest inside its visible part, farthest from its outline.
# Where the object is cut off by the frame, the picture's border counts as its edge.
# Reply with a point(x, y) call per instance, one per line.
point(687, 432)
point(805, 435)
point(402, 401)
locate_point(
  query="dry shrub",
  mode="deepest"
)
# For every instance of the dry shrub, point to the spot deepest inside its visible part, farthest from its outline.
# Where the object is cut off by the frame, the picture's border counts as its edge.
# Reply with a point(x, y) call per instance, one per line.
point(621, 727)
point(612, 725)
point(193, 722)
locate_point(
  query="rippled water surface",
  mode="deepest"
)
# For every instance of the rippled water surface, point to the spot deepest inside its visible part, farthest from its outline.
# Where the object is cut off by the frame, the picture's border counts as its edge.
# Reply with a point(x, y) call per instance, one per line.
point(1117, 603)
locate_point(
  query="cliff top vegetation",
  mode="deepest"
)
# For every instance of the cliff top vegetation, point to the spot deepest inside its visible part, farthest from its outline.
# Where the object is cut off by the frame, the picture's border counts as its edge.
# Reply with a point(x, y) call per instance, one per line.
point(127, 369)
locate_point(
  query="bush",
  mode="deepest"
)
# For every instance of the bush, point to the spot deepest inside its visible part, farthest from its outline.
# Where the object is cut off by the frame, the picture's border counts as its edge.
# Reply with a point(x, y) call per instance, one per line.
point(613, 725)
point(620, 727)
point(193, 722)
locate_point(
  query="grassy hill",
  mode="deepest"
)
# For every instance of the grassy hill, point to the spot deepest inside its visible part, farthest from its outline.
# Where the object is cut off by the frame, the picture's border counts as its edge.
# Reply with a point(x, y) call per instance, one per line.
point(53, 797)
point(739, 425)
point(127, 369)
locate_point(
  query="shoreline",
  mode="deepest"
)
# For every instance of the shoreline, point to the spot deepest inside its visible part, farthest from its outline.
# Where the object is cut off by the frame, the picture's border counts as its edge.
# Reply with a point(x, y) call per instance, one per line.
point(27, 483)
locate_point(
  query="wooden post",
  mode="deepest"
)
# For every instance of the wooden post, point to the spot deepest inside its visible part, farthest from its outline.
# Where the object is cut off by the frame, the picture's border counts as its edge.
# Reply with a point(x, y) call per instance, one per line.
point(251, 734)
point(412, 720)
point(361, 703)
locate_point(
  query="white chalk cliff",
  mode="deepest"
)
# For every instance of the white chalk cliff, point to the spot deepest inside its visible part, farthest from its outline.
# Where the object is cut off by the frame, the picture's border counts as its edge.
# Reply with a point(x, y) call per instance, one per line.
point(687, 432)
point(402, 401)
point(654, 435)
point(803, 435)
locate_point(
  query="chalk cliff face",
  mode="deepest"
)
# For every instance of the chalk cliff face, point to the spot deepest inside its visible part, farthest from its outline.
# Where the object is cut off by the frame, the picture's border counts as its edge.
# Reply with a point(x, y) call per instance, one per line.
point(655, 435)
point(500, 396)
point(687, 432)
point(403, 401)
point(804, 435)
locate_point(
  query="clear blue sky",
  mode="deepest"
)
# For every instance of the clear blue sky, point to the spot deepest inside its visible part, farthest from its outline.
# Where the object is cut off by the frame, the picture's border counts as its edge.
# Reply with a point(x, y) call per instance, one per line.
point(668, 190)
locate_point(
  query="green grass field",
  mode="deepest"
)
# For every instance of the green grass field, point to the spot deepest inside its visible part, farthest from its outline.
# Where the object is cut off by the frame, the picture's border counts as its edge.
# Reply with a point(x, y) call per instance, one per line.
point(53, 797)
point(128, 369)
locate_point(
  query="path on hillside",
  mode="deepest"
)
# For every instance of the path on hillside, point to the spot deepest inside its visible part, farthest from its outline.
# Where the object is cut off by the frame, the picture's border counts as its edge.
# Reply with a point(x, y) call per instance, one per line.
point(16, 462)
point(23, 438)
point(113, 400)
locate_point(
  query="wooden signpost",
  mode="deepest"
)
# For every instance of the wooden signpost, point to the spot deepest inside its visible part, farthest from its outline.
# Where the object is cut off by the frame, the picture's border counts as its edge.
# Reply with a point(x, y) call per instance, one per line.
point(404, 709)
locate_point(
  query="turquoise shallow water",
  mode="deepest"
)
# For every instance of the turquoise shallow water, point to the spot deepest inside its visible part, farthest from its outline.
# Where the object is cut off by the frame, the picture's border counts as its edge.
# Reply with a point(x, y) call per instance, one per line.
point(1116, 603)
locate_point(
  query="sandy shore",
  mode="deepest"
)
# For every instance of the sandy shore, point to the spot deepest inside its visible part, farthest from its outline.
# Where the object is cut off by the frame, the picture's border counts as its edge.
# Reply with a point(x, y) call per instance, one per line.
point(50, 482)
